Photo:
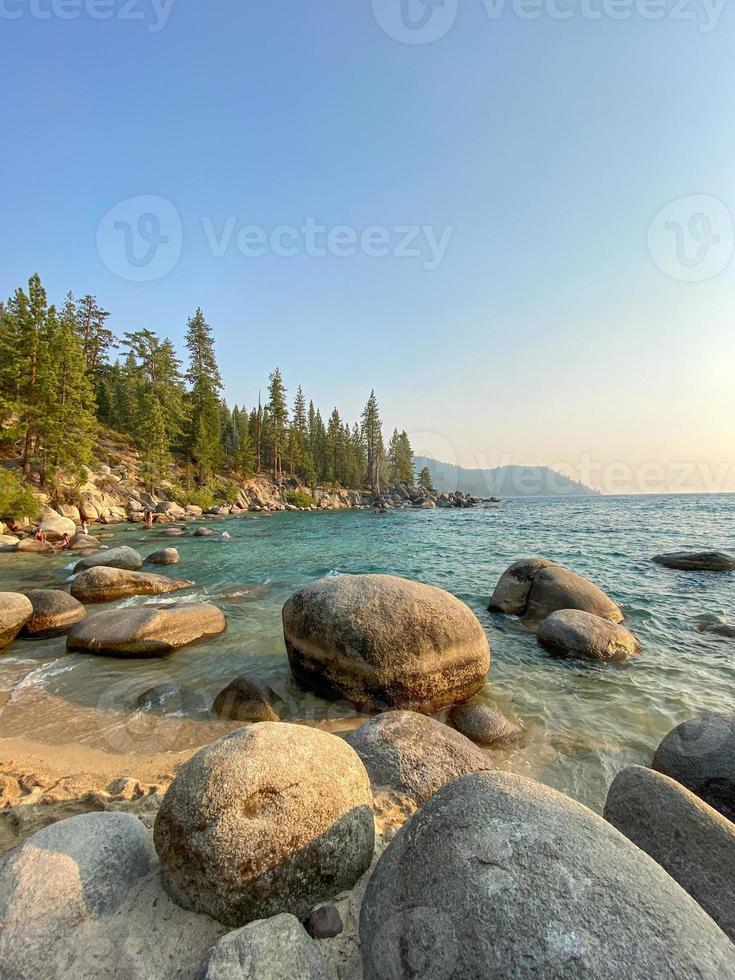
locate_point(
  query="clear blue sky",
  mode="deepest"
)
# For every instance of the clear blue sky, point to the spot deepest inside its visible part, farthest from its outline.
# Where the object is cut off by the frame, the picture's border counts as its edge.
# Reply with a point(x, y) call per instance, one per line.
point(547, 332)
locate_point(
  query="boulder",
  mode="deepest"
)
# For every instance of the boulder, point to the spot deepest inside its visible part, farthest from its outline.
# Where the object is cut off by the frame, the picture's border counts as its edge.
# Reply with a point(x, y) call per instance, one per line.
point(485, 725)
point(244, 700)
point(690, 840)
point(54, 612)
point(204, 532)
point(171, 509)
point(272, 818)
point(103, 584)
point(700, 754)
point(324, 922)
point(30, 546)
point(83, 542)
point(171, 698)
point(8, 542)
point(697, 561)
point(166, 556)
point(498, 876)
point(385, 642)
point(534, 588)
point(145, 631)
point(172, 532)
point(122, 557)
point(574, 633)
point(269, 949)
point(15, 611)
point(55, 525)
point(413, 755)
point(193, 511)
point(69, 873)
point(723, 629)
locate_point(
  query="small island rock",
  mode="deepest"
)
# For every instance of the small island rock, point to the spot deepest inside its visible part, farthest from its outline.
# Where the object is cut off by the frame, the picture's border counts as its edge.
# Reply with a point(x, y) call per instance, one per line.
point(697, 561)
point(103, 584)
point(146, 631)
point(54, 612)
point(533, 588)
point(166, 556)
point(574, 633)
point(122, 557)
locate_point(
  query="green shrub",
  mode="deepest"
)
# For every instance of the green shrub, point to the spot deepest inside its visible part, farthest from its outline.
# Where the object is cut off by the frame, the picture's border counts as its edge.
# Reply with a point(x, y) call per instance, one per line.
point(299, 498)
point(16, 500)
point(199, 498)
point(226, 493)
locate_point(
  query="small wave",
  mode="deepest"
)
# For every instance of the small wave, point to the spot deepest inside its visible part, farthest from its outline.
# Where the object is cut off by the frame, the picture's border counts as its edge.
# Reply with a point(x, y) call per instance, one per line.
point(37, 678)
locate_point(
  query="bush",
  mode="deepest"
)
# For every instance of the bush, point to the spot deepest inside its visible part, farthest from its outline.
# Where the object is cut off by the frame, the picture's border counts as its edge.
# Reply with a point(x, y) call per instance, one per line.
point(226, 493)
point(299, 498)
point(199, 498)
point(16, 500)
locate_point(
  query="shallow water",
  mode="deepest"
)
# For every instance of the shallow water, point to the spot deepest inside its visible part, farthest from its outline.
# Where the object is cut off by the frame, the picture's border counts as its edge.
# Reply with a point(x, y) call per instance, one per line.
point(585, 721)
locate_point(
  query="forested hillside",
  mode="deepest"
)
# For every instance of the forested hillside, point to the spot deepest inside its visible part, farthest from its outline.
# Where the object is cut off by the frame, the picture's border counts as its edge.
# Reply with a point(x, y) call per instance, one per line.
point(65, 377)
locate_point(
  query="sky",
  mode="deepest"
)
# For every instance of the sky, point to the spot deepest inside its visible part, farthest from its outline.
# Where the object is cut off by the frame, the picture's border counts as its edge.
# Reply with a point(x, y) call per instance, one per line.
point(512, 218)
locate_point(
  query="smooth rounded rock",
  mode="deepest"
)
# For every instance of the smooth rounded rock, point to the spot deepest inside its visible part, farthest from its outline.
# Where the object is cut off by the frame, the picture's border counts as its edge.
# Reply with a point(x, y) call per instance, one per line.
point(324, 922)
point(29, 546)
point(8, 542)
point(690, 840)
point(171, 698)
point(485, 725)
point(413, 755)
point(204, 532)
point(697, 561)
point(122, 557)
point(269, 949)
point(72, 872)
point(15, 611)
point(54, 612)
point(700, 754)
point(146, 631)
point(166, 556)
point(533, 588)
point(82, 542)
point(103, 584)
point(55, 526)
point(244, 700)
point(272, 818)
point(574, 633)
point(498, 876)
point(384, 642)
point(726, 630)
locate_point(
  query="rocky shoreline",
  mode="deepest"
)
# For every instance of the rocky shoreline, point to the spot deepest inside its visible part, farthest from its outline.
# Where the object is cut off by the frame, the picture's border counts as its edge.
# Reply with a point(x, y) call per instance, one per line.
point(397, 850)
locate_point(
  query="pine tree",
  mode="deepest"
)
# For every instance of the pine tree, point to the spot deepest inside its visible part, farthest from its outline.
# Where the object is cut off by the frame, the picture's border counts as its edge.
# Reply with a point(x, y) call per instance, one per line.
point(278, 412)
point(373, 436)
point(425, 479)
point(96, 339)
point(203, 432)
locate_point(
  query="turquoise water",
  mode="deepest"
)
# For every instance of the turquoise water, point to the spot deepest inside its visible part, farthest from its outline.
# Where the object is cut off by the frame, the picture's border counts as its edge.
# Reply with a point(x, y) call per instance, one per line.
point(585, 721)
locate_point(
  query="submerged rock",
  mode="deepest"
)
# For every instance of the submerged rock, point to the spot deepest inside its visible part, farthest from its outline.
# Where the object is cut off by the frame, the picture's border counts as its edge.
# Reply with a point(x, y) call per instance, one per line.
point(413, 755)
point(171, 698)
point(272, 818)
point(244, 700)
point(575, 633)
point(166, 556)
point(15, 611)
point(697, 561)
point(204, 532)
point(723, 629)
point(54, 612)
point(105, 584)
point(146, 631)
point(485, 725)
point(700, 754)
point(498, 876)
point(72, 872)
point(270, 949)
point(385, 642)
point(534, 588)
point(690, 840)
point(122, 557)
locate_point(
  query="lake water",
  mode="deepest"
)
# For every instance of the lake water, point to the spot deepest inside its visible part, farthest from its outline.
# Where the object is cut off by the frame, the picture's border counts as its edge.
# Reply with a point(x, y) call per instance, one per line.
point(585, 721)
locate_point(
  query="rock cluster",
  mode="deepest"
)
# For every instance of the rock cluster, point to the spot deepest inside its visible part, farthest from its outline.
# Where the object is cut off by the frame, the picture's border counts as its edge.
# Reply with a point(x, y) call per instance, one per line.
point(381, 642)
point(401, 496)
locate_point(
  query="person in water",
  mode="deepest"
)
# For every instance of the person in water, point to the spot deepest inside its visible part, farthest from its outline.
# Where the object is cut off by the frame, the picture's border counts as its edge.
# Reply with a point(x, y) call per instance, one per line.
point(148, 517)
point(65, 543)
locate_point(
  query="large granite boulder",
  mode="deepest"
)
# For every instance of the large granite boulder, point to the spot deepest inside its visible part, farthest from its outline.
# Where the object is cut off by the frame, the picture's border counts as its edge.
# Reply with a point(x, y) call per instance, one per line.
point(146, 631)
point(533, 588)
point(54, 612)
point(8, 542)
point(690, 840)
point(122, 557)
point(574, 633)
point(278, 948)
point(166, 556)
point(697, 561)
point(498, 876)
point(84, 542)
point(15, 611)
point(55, 526)
point(29, 546)
point(413, 755)
point(485, 725)
point(700, 754)
point(383, 642)
point(272, 818)
point(67, 874)
point(103, 584)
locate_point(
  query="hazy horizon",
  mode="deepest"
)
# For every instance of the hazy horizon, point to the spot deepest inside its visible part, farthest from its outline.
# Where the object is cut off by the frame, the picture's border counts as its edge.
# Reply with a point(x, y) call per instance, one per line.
point(566, 185)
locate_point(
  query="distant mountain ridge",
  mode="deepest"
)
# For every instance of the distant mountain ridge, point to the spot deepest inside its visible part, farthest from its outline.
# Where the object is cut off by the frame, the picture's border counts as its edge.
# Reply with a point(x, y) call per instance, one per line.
point(503, 481)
